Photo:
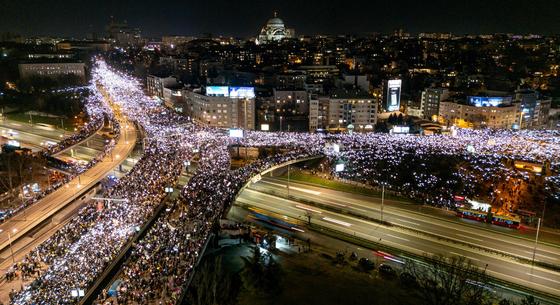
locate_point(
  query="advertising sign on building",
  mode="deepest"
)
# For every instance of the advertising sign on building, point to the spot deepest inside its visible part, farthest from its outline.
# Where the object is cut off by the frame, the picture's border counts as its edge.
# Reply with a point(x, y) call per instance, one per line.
point(394, 94)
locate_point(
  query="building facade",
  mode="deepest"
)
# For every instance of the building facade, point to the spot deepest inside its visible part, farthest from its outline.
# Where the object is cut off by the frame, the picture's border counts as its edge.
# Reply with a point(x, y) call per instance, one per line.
point(221, 111)
point(534, 109)
point(430, 101)
point(52, 69)
point(342, 111)
point(469, 116)
point(156, 84)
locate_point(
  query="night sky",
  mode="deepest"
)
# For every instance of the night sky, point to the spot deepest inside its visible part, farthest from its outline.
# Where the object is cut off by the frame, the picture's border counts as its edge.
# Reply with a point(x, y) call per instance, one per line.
point(243, 18)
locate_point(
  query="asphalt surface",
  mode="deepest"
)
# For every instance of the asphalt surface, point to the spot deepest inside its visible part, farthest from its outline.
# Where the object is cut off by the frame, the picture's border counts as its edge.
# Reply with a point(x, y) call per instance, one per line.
point(33, 215)
point(34, 137)
point(501, 267)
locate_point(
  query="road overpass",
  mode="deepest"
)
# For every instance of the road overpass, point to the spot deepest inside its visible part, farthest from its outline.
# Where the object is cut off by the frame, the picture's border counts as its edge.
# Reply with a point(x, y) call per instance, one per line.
point(25, 221)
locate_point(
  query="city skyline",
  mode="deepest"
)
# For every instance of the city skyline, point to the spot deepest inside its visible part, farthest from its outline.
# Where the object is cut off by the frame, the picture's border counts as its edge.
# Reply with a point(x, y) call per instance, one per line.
point(72, 18)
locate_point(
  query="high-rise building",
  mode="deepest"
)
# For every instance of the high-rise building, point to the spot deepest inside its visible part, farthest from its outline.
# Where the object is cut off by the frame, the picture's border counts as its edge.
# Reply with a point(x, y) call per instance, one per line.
point(343, 110)
point(121, 34)
point(222, 106)
point(534, 109)
point(430, 100)
point(284, 110)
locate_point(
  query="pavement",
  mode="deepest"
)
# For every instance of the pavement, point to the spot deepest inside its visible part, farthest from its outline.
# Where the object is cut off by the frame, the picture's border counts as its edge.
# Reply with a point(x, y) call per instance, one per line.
point(501, 267)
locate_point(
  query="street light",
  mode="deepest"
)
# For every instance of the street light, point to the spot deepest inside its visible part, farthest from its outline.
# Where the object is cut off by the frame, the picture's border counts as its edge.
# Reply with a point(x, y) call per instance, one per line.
point(536, 240)
point(382, 199)
point(10, 241)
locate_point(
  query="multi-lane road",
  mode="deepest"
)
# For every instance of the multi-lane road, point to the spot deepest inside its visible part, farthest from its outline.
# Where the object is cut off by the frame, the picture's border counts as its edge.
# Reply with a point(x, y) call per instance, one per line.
point(271, 194)
point(19, 225)
point(34, 137)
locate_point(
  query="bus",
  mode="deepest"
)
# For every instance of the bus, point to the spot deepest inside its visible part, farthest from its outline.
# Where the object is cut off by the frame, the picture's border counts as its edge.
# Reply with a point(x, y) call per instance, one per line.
point(472, 214)
point(512, 221)
point(273, 219)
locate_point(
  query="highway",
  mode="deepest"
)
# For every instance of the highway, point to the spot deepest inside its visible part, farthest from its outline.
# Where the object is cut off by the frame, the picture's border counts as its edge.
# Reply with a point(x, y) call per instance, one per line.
point(33, 137)
point(32, 216)
point(501, 267)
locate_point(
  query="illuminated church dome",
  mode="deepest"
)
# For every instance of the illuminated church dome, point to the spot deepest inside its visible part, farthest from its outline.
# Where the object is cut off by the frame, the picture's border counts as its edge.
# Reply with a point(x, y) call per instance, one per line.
point(274, 30)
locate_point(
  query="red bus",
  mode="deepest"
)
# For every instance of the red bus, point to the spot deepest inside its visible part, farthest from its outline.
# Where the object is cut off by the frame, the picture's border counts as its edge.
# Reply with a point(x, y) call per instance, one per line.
point(512, 221)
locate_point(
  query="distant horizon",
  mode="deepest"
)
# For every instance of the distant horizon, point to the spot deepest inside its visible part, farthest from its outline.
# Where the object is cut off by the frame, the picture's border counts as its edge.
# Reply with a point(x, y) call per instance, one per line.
point(100, 36)
point(67, 18)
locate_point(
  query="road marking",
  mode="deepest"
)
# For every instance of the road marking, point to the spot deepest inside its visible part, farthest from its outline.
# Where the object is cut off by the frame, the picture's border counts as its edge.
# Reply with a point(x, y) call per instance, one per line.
point(544, 278)
point(538, 254)
point(273, 183)
point(466, 236)
point(340, 222)
point(293, 188)
point(299, 206)
point(471, 258)
point(397, 237)
point(305, 190)
point(410, 222)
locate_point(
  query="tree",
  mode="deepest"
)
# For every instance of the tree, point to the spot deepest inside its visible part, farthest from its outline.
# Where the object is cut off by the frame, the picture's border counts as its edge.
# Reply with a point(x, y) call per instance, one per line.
point(530, 300)
point(213, 284)
point(252, 273)
point(452, 280)
point(261, 274)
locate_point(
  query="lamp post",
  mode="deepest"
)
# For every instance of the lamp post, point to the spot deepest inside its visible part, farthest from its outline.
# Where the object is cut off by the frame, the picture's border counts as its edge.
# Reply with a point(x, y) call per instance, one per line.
point(536, 240)
point(382, 199)
point(10, 241)
point(288, 186)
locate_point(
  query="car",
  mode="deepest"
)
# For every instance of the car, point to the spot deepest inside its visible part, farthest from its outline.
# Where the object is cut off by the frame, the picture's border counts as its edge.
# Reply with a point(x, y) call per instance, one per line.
point(366, 265)
point(387, 271)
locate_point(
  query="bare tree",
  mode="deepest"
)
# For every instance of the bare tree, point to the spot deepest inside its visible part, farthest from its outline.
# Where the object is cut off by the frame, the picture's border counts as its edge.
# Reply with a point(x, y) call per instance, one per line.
point(454, 280)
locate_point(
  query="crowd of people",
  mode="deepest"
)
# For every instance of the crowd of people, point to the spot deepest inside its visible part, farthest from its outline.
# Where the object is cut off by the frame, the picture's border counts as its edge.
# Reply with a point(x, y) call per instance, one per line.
point(434, 169)
point(75, 255)
point(161, 263)
point(98, 112)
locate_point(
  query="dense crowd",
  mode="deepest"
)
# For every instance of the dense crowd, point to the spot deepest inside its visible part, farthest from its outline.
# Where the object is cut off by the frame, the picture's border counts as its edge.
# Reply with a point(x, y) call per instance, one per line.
point(431, 168)
point(162, 263)
point(76, 255)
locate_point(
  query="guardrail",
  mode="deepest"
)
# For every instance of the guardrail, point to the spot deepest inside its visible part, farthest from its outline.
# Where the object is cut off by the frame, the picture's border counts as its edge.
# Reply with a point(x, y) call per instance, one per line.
point(360, 241)
point(416, 231)
point(123, 255)
point(257, 177)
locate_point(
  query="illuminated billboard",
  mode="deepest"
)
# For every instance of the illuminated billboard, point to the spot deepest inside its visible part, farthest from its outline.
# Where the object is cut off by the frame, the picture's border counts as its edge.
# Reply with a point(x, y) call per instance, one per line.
point(489, 101)
point(401, 129)
point(394, 94)
point(217, 91)
point(236, 133)
point(339, 167)
point(242, 92)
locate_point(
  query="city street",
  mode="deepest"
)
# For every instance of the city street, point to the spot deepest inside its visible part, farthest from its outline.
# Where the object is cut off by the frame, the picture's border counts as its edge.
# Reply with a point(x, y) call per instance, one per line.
point(33, 137)
point(416, 217)
point(19, 225)
point(498, 266)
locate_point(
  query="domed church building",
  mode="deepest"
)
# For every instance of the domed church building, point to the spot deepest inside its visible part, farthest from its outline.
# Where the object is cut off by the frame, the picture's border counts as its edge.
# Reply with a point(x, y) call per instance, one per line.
point(274, 31)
